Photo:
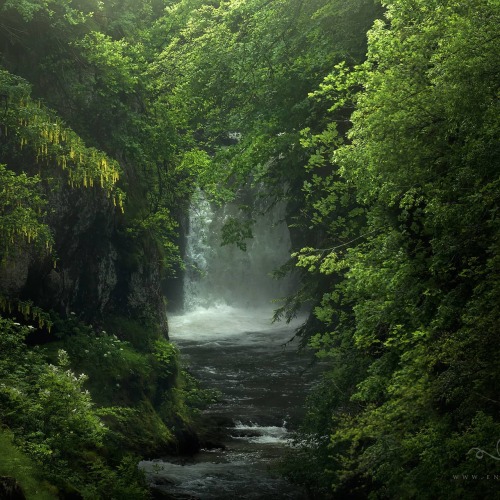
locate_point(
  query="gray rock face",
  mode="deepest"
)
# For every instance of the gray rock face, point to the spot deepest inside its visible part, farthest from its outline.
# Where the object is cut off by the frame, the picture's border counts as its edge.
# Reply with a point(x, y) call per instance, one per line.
point(100, 270)
point(14, 272)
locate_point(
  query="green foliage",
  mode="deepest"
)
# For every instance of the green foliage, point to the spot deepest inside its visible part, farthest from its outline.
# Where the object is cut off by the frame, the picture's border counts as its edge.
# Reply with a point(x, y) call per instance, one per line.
point(116, 62)
point(139, 333)
point(204, 172)
point(187, 400)
point(51, 141)
point(413, 279)
point(126, 481)
point(229, 66)
point(166, 354)
point(80, 62)
point(28, 9)
point(162, 227)
point(86, 432)
point(118, 373)
point(196, 398)
point(45, 405)
point(21, 216)
point(235, 232)
point(143, 395)
point(140, 430)
point(88, 64)
point(15, 463)
point(390, 170)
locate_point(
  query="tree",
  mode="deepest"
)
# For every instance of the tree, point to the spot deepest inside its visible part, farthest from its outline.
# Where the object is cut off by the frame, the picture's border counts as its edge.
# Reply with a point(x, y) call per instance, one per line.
point(413, 293)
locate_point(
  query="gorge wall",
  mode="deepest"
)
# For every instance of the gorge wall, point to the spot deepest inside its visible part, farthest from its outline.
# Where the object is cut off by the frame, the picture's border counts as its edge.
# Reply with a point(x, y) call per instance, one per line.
point(99, 269)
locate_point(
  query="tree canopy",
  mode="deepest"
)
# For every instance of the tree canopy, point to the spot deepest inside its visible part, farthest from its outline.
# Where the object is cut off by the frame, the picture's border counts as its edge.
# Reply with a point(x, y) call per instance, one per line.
point(376, 122)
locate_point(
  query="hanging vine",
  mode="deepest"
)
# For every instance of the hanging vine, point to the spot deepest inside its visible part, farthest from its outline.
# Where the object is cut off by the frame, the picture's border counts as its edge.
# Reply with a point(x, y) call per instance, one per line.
point(37, 127)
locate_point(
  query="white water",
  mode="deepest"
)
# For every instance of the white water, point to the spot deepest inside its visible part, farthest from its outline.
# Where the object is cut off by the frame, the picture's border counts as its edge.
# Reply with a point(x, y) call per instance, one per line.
point(262, 434)
point(226, 275)
point(230, 343)
point(222, 321)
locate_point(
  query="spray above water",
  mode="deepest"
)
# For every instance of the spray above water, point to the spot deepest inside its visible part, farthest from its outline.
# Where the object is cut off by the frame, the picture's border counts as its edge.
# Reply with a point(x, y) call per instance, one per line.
point(226, 275)
point(229, 291)
point(227, 336)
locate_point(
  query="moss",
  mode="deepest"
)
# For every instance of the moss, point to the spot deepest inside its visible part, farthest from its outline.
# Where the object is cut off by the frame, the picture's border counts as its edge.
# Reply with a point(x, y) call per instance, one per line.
point(134, 377)
point(140, 334)
point(140, 430)
point(141, 396)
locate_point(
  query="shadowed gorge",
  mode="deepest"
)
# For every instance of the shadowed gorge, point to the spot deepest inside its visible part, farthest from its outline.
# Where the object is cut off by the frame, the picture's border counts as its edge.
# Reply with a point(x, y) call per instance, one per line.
point(249, 249)
point(226, 335)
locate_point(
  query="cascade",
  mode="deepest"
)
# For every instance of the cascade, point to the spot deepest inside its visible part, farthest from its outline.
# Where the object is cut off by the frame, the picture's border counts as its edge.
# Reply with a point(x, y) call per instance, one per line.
point(226, 335)
point(226, 275)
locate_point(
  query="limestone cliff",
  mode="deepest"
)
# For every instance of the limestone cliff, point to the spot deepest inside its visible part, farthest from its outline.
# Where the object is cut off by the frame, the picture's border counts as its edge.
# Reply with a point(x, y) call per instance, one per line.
point(99, 271)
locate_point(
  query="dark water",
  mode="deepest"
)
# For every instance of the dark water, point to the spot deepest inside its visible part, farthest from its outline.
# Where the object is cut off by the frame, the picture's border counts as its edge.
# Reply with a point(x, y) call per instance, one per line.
point(263, 381)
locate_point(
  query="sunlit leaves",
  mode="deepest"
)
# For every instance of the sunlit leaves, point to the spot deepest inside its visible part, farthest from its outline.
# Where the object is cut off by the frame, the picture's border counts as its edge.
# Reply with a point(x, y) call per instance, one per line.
point(116, 62)
point(47, 401)
point(166, 354)
point(422, 164)
point(212, 177)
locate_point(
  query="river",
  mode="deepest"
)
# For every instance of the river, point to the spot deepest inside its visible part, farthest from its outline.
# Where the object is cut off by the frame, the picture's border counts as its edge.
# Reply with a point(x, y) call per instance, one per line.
point(226, 337)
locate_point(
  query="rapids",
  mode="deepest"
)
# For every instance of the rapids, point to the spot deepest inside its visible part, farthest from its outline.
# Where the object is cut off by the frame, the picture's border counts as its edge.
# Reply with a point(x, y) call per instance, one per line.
point(229, 343)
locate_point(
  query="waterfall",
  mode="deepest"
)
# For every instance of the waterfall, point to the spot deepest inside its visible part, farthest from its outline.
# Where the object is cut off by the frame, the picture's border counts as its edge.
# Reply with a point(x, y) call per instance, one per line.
point(227, 336)
point(226, 275)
